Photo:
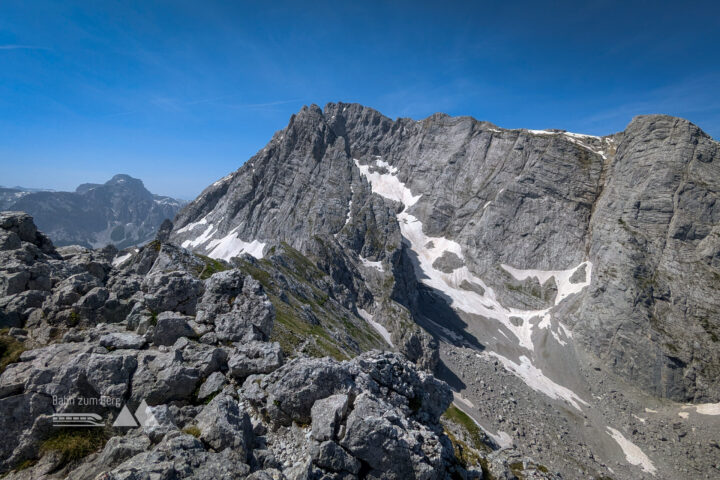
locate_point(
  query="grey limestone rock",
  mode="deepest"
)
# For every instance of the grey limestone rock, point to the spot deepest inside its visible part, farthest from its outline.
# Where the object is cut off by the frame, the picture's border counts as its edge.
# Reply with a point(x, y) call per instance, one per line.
point(330, 456)
point(170, 327)
point(254, 357)
point(224, 425)
point(123, 340)
point(213, 384)
point(327, 413)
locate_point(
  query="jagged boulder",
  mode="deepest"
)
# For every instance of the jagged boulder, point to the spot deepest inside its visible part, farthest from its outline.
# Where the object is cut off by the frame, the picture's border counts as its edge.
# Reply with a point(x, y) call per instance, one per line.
point(223, 425)
point(181, 456)
point(176, 291)
point(253, 358)
point(170, 327)
point(163, 377)
point(123, 340)
point(20, 226)
point(327, 415)
point(376, 410)
point(213, 384)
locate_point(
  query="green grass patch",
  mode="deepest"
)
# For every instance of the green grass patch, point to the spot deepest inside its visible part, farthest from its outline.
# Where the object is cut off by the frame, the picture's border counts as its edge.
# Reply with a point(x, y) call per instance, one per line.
point(74, 443)
point(192, 430)
point(10, 349)
point(210, 267)
point(24, 465)
point(257, 273)
point(74, 319)
point(517, 468)
point(336, 335)
point(458, 417)
point(153, 318)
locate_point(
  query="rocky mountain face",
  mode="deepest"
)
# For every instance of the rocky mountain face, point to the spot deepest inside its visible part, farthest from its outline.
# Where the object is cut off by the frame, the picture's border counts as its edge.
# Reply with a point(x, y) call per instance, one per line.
point(369, 298)
point(637, 210)
point(121, 212)
point(10, 195)
point(577, 264)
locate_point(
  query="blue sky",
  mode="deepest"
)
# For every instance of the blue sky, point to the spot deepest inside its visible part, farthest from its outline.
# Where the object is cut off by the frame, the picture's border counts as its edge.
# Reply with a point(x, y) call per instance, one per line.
point(180, 93)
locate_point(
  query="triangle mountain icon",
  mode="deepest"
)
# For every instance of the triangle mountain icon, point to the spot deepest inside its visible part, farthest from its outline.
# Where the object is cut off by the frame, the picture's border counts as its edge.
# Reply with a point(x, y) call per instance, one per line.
point(125, 419)
point(145, 415)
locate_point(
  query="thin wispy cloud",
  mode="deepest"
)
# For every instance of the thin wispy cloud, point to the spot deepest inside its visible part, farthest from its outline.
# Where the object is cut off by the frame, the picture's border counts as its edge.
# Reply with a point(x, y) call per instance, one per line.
point(266, 104)
point(22, 47)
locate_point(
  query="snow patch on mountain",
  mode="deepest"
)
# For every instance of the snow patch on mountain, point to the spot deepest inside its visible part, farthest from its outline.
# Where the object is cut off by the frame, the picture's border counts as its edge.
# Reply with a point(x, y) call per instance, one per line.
point(562, 278)
point(370, 264)
point(368, 317)
point(708, 408)
point(388, 186)
point(120, 259)
point(632, 452)
point(223, 248)
point(520, 322)
point(231, 246)
point(536, 379)
point(190, 226)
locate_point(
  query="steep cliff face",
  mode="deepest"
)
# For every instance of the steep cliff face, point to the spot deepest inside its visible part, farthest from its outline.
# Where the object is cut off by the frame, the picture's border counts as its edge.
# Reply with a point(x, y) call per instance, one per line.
point(518, 218)
point(652, 311)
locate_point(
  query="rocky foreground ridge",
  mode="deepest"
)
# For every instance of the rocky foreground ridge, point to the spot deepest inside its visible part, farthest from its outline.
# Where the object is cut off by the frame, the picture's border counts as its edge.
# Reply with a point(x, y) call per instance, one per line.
point(186, 343)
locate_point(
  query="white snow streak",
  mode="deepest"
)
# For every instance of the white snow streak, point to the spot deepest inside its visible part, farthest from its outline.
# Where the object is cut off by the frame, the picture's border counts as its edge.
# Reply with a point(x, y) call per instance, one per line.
point(643, 420)
point(382, 164)
point(376, 265)
point(204, 237)
point(536, 380)
point(378, 327)
point(349, 214)
point(632, 452)
point(578, 139)
point(388, 186)
point(708, 409)
point(231, 246)
point(121, 259)
point(190, 226)
point(222, 180)
point(562, 278)
point(428, 249)
point(223, 248)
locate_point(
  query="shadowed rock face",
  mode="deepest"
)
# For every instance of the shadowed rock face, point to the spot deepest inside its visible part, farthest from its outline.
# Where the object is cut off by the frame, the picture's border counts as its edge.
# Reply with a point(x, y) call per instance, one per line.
point(640, 205)
point(121, 212)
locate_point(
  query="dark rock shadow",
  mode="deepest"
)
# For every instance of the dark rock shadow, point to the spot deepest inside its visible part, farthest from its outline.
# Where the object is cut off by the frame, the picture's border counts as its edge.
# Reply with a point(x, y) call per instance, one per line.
point(444, 373)
point(431, 308)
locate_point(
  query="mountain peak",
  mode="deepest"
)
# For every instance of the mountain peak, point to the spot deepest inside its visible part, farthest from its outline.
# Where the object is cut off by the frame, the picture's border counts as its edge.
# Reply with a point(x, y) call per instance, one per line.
point(124, 179)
